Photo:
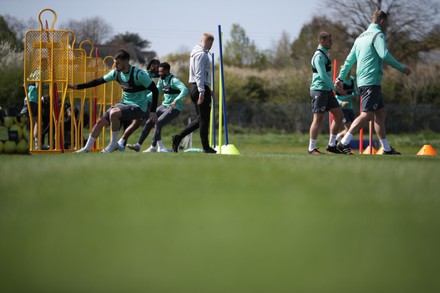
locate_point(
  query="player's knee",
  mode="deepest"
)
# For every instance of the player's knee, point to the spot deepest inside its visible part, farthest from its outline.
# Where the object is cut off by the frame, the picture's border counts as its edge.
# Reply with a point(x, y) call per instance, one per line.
point(338, 115)
point(115, 114)
point(102, 122)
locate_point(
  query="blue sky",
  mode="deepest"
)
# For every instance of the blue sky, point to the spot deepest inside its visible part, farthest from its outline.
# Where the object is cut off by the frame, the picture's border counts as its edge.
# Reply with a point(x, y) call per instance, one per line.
point(173, 26)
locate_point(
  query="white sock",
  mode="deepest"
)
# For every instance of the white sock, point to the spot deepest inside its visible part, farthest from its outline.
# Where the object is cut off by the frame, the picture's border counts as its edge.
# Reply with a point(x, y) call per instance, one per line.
point(332, 140)
point(385, 145)
point(347, 138)
point(312, 144)
point(159, 142)
point(114, 138)
point(90, 141)
point(121, 142)
point(338, 137)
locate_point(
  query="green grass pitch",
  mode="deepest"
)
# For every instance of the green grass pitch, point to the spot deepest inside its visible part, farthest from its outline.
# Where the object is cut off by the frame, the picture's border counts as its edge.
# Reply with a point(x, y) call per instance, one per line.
point(262, 221)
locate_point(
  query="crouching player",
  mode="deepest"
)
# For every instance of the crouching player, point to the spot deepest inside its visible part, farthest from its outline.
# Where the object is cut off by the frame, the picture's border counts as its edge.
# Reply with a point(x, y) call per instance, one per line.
point(135, 84)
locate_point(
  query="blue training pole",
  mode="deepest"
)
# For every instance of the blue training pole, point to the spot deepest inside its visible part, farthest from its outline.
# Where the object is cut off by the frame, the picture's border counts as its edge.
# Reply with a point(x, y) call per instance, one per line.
point(213, 100)
point(223, 84)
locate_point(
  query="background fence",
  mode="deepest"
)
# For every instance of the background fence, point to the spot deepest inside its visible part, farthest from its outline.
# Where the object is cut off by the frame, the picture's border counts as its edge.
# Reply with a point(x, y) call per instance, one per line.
point(297, 117)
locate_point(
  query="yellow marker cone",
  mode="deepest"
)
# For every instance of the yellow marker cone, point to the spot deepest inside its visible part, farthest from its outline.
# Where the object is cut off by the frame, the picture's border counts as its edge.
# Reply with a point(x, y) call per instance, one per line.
point(380, 151)
point(427, 150)
point(229, 149)
point(367, 151)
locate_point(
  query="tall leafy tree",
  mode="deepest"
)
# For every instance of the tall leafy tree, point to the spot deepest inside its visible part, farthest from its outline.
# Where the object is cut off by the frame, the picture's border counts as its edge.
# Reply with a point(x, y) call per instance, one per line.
point(240, 51)
point(11, 67)
point(135, 46)
point(7, 35)
point(283, 51)
point(132, 39)
point(303, 48)
point(19, 27)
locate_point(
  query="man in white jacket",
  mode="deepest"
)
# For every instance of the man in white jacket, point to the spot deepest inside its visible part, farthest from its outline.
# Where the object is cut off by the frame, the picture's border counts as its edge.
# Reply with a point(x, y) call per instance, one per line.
point(200, 92)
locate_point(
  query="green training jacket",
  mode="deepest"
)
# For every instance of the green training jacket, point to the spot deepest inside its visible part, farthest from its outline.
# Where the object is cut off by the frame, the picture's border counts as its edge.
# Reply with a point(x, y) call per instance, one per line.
point(178, 87)
point(33, 94)
point(141, 78)
point(322, 74)
point(369, 57)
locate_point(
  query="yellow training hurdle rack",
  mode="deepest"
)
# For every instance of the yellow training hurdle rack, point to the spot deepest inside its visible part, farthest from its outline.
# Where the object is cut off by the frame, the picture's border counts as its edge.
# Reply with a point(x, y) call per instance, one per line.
point(77, 68)
point(93, 69)
point(52, 60)
point(45, 59)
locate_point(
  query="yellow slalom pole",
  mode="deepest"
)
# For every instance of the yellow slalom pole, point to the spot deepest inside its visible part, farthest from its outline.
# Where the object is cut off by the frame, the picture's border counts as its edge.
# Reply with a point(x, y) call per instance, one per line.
point(220, 110)
point(211, 132)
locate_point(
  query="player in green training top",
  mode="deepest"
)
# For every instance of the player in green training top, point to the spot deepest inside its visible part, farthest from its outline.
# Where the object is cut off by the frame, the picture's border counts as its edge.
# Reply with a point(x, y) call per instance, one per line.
point(33, 102)
point(174, 91)
point(370, 51)
point(135, 83)
point(323, 99)
point(131, 126)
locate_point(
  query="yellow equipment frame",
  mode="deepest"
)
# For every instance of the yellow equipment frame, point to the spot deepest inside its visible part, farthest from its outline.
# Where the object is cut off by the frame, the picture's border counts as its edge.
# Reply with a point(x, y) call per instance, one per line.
point(52, 61)
point(45, 59)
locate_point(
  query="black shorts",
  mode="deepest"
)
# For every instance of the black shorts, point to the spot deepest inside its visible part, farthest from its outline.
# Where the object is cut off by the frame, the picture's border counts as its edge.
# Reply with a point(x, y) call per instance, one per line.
point(34, 109)
point(372, 99)
point(129, 112)
point(323, 101)
point(348, 115)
